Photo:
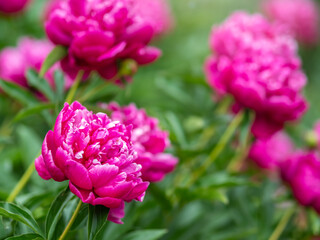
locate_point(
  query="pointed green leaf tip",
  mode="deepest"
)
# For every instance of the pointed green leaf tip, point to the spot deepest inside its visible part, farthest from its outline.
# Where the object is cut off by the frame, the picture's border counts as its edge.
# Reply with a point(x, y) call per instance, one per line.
point(54, 56)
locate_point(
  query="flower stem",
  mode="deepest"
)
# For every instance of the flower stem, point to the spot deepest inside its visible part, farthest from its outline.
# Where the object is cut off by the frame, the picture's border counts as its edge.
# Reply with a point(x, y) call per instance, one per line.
point(23, 181)
point(93, 91)
point(74, 87)
point(220, 145)
point(282, 224)
point(73, 218)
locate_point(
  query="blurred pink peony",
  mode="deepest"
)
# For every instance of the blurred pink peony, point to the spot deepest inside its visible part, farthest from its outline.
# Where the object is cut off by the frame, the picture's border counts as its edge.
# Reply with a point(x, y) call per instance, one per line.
point(12, 6)
point(268, 153)
point(148, 139)
point(100, 34)
point(156, 12)
point(300, 16)
point(257, 63)
point(96, 155)
point(302, 172)
point(29, 54)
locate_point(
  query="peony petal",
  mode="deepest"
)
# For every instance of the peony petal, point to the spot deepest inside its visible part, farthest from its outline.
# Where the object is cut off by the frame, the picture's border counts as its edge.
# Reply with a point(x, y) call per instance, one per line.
point(117, 191)
point(137, 192)
point(42, 169)
point(85, 195)
point(108, 202)
point(78, 175)
point(100, 175)
point(115, 214)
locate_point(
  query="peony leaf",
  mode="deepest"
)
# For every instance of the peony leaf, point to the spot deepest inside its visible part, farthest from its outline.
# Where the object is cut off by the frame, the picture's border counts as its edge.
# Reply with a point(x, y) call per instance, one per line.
point(26, 112)
point(54, 56)
point(55, 211)
point(59, 83)
point(20, 214)
point(40, 83)
point(18, 93)
point(28, 236)
point(150, 234)
point(97, 220)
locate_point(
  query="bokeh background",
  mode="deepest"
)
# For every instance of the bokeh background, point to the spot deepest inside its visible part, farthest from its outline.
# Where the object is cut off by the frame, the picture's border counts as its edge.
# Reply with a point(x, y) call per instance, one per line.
point(224, 205)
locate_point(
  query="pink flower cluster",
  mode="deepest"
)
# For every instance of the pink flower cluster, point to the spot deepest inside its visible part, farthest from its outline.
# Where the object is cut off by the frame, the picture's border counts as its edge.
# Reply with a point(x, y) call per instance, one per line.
point(257, 63)
point(155, 12)
point(300, 16)
point(29, 54)
point(302, 172)
point(269, 153)
point(100, 34)
point(96, 155)
point(148, 139)
point(12, 6)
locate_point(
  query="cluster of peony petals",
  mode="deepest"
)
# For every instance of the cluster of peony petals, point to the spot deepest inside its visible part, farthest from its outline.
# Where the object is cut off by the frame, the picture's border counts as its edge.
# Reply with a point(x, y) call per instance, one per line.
point(302, 172)
point(29, 54)
point(269, 153)
point(156, 12)
point(148, 139)
point(100, 35)
point(12, 6)
point(97, 157)
point(300, 16)
point(257, 63)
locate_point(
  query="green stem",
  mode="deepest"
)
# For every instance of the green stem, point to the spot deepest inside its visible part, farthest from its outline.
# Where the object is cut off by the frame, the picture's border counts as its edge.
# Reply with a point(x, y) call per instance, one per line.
point(74, 87)
point(220, 146)
point(73, 218)
point(282, 224)
point(93, 91)
point(23, 181)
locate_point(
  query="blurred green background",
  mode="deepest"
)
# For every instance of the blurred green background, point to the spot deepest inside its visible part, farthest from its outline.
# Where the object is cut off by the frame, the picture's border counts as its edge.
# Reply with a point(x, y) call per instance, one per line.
point(222, 205)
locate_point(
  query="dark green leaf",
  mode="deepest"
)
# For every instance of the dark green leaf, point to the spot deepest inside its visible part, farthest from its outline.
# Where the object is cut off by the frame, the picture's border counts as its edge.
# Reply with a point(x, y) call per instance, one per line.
point(40, 83)
point(211, 194)
point(59, 83)
point(96, 220)
point(28, 236)
point(19, 214)
point(18, 93)
point(54, 56)
point(36, 109)
point(55, 211)
point(145, 234)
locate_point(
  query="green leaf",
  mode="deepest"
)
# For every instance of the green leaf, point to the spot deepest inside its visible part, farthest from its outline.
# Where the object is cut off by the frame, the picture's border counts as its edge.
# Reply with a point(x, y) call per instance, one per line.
point(211, 194)
point(19, 214)
point(97, 220)
point(222, 179)
point(40, 83)
point(54, 56)
point(18, 93)
point(55, 211)
point(145, 234)
point(59, 83)
point(28, 236)
point(36, 109)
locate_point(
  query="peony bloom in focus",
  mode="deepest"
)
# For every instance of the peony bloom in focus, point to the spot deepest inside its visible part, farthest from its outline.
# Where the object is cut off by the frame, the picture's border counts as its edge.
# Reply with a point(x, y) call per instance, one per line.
point(29, 54)
point(268, 153)
point(155, 12)
point(12, 6)
point(100, 35)
point(300, 16)
point(302, 172)
point(148, 139)
point(257, 63)
point(96, 155)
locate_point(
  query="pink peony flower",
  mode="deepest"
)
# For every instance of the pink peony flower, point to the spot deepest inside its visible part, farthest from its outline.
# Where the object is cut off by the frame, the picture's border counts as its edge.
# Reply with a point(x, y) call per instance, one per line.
point(148, 139)
point(30, 54)
point(302, 172)
point(96, 155)
point(300, 16)
point(256, 62)
point(100, 34)
point(268, 153)
point(12, 6)
point(155, 12)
